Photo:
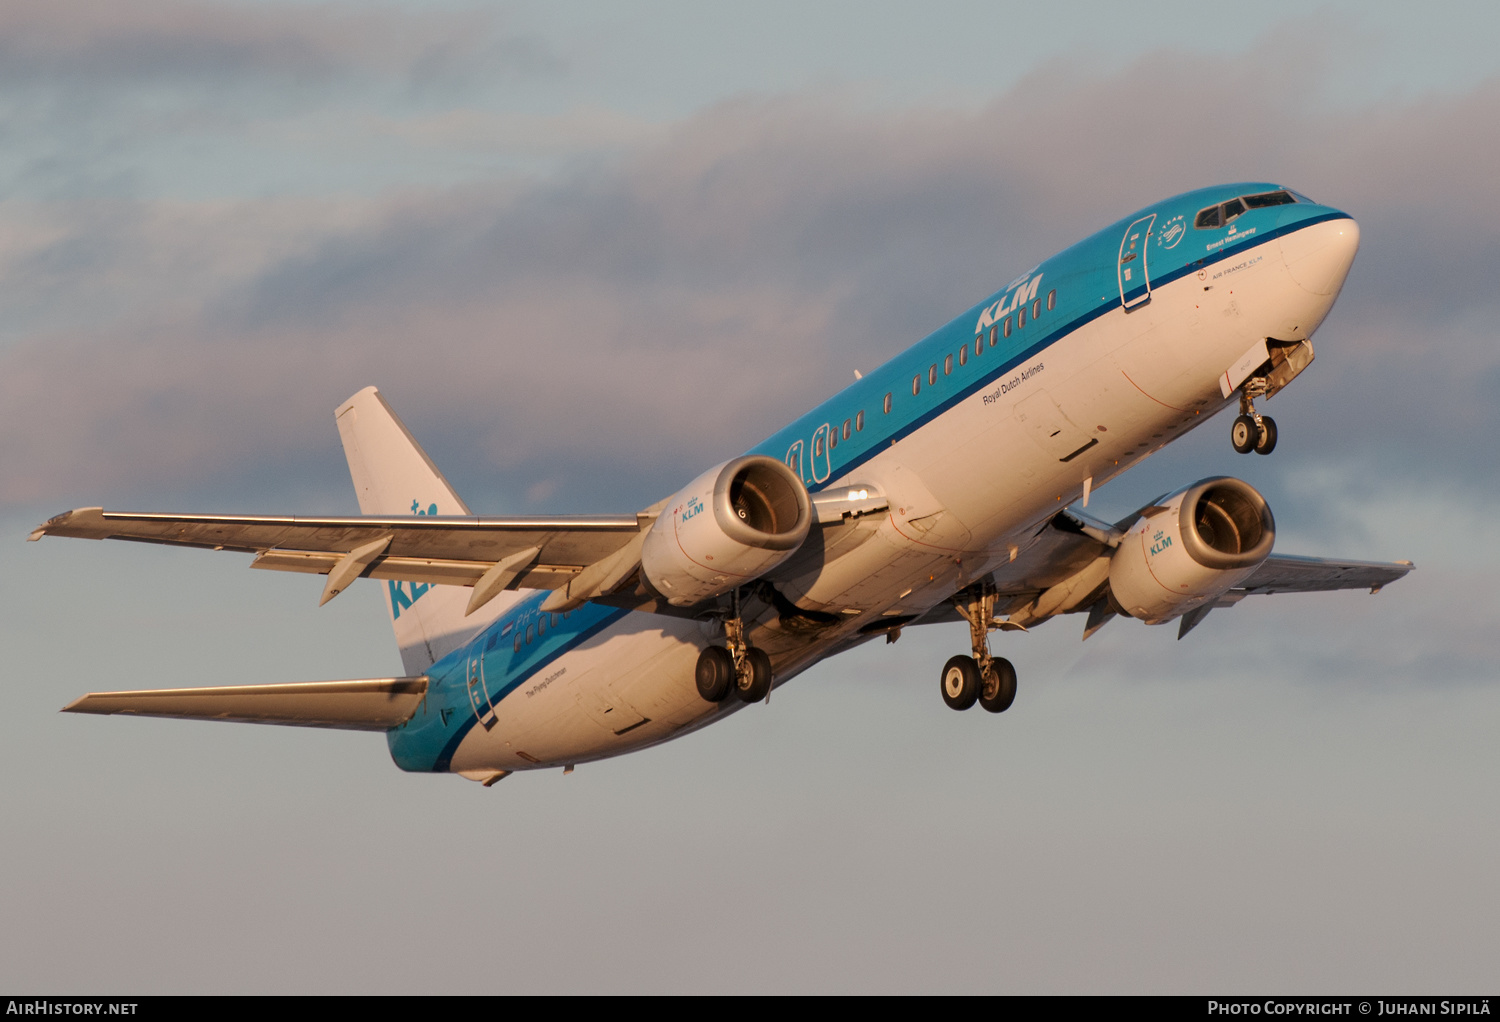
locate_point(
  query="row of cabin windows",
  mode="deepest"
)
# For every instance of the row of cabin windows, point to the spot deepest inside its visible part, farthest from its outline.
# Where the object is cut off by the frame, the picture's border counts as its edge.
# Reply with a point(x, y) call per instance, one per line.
point(855, 425)
point(999, 330)
point(538, 628)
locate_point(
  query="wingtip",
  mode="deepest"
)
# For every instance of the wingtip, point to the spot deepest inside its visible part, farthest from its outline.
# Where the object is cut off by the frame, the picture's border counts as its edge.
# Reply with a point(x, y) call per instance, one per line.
point(80, 522)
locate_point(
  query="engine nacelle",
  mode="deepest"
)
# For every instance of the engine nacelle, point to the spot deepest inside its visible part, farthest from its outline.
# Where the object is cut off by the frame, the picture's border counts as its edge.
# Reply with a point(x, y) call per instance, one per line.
point(1204, 540)
point(729, 526)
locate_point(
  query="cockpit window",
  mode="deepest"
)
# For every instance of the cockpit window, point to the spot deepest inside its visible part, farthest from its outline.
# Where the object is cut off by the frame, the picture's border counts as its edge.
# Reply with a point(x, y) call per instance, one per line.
point(1269, 199)
point(1218, 216)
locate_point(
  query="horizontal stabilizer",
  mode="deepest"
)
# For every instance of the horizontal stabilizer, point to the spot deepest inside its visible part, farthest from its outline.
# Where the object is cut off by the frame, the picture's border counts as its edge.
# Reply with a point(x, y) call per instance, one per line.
point(377, 704)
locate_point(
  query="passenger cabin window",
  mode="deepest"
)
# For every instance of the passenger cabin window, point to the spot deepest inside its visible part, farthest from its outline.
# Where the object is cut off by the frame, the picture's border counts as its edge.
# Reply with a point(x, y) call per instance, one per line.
point(1021, 318)
point(978, 346)
point(932, 374)
point(963, 355)
point(994, 334)
point(518, 642)
point(916, 385)
point(859, 420)
point(818, 445)
point(886, 405)
point(530, 633)
point(948, 365)
point(1007, 326)
point(1052, 299)
point(1036, 308)
point(847, 429)
point(833, 438)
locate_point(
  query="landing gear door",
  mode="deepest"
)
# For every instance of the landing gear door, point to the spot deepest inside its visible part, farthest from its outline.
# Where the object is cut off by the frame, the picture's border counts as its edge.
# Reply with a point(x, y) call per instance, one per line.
point(1135, 278)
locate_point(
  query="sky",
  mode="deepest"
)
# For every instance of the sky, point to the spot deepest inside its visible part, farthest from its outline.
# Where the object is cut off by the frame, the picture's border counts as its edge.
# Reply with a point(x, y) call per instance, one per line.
point(587, 250)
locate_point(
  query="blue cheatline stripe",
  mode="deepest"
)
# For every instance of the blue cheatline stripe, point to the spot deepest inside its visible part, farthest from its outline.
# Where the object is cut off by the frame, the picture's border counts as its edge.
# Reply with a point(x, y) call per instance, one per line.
point(982, 382)
point(445, 756)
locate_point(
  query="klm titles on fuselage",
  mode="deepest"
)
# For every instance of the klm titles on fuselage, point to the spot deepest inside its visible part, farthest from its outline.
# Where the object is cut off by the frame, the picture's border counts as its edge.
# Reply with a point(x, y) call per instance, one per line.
point(1011, 384)
point(1024, 291)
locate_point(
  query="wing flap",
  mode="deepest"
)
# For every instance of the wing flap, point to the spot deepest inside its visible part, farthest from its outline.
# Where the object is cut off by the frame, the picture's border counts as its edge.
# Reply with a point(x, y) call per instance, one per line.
point(377, 704)
point(429, 570)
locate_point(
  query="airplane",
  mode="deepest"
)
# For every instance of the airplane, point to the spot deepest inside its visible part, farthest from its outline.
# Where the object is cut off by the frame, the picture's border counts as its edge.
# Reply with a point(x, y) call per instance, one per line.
point(947, 485)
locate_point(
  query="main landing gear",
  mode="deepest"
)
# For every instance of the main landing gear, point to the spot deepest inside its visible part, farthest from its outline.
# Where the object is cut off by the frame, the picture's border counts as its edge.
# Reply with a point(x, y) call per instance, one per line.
point(989, 681)
point(1253, 431)
point(741, 669)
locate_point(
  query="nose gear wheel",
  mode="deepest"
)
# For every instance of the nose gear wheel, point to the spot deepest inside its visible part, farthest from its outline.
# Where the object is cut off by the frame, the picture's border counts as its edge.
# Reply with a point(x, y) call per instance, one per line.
point(1251, 430)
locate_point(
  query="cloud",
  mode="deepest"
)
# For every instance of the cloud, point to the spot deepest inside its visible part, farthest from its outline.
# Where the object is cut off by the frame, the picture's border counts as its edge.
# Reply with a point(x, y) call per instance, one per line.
point(613, 328)
point(95, 42)
point(196, 97)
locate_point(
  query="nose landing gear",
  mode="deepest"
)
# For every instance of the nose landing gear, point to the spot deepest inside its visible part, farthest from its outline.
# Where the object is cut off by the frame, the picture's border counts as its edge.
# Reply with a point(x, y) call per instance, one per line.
point(1251, 430)
point(990, 681)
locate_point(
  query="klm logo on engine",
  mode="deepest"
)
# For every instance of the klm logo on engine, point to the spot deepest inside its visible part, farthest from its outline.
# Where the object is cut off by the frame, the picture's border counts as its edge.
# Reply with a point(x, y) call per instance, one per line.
point(693, 509)
point(404, 594)
point(1160, 542)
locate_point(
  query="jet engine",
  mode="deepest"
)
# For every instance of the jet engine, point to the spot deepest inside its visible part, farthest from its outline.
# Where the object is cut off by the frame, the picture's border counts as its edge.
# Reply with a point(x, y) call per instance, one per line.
point(729, 526)
point(1190, 549)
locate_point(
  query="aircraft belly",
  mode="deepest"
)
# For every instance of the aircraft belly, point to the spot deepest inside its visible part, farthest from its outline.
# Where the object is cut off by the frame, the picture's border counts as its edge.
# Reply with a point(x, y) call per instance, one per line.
point(628, 687)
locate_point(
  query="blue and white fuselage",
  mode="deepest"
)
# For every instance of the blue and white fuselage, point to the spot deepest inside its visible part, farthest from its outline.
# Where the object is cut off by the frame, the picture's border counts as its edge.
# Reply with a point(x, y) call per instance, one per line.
point(1051, 386)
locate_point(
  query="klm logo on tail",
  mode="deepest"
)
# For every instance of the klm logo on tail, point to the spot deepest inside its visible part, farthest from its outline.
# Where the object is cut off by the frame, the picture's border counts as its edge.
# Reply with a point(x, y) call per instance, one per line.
point(404, 594)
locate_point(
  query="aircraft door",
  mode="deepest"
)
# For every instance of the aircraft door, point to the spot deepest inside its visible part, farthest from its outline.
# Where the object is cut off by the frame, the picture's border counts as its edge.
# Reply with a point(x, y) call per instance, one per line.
point(819, 461)
point(794, 460)
point(479, 695)
point(1135, 278)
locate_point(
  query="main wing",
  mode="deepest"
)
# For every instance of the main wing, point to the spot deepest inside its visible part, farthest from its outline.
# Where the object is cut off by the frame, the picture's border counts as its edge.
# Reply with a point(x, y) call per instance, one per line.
point(580, 556)
point(1065, 570)
point(436, 550)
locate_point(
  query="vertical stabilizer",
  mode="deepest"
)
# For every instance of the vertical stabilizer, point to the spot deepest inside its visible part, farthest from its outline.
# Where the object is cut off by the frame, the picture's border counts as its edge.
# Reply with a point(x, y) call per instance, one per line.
point(393, 476)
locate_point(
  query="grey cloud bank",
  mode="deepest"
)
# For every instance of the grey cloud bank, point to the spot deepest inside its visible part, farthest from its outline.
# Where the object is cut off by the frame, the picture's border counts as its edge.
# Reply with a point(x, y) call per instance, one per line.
point(97, 43)
point(526, 322)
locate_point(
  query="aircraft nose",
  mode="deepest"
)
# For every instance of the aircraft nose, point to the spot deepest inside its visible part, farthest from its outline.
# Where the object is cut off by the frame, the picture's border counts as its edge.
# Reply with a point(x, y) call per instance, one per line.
point(1319, 256)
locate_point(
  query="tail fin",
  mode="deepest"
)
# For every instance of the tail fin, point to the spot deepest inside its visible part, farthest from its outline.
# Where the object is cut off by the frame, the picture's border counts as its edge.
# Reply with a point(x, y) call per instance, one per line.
point(393, 475)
